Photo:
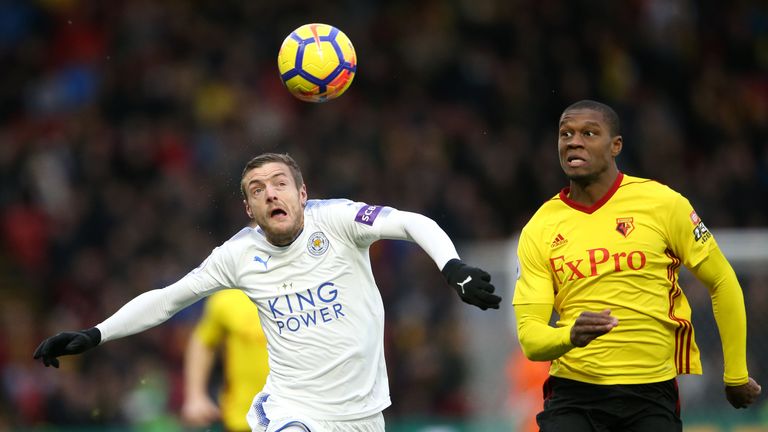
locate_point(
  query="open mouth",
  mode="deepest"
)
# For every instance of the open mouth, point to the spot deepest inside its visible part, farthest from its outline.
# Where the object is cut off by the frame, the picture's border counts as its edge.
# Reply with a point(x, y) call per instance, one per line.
point(277, 213)
point(575, 161)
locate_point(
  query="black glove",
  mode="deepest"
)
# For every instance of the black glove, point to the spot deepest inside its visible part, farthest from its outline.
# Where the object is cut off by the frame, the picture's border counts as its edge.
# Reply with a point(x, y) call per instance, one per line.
point(64, 343)
point(473, 284)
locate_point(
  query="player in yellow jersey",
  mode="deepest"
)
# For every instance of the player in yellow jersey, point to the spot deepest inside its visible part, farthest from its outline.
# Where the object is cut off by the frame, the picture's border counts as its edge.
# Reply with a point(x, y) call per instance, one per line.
point(605, 255)
point(230, 320)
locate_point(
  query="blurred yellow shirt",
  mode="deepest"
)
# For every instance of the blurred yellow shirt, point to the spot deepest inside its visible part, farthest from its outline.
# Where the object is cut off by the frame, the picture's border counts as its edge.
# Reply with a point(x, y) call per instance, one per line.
point(623, 254)
point(230, 318)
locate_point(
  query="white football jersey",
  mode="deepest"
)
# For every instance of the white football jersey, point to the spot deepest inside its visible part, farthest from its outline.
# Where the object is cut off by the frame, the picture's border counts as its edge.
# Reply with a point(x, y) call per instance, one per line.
point(319, 306)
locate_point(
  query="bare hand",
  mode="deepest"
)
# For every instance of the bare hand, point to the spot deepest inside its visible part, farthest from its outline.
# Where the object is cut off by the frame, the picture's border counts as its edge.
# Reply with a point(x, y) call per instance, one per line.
point(589, 325)
point(741, 396)
point(199, 411)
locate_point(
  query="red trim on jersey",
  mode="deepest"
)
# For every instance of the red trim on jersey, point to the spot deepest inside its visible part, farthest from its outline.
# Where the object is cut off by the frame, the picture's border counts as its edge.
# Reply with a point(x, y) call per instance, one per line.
point(594, 207)
point(684, 331)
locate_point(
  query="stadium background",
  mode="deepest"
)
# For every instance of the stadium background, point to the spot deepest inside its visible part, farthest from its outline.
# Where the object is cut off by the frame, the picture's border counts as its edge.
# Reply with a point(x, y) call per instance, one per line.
point(124, 126)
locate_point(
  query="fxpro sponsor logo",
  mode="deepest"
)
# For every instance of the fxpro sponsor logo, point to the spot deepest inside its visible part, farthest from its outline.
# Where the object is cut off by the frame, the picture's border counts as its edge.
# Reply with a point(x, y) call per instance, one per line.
point(596, 262)
point(304, 309)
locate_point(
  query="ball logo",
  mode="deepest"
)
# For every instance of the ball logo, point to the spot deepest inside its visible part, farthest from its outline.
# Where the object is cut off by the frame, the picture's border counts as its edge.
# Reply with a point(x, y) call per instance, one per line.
point(317, 244)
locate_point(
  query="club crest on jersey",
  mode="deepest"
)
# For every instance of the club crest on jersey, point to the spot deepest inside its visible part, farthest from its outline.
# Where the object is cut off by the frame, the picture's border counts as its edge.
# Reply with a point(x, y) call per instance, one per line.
point(317, 244)
point(624, 226)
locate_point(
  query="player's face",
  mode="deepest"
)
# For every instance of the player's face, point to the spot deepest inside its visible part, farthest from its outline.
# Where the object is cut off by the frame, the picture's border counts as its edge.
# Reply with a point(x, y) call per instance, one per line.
point(587, 149)
point(275, 202)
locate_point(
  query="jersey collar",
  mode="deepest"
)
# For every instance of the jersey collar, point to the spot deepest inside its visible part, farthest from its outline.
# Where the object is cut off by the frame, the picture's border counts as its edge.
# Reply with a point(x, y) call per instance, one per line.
point(594, 207)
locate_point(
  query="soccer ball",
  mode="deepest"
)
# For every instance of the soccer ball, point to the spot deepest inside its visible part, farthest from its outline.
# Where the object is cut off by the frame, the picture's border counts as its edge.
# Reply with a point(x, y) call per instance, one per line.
point(317, 62)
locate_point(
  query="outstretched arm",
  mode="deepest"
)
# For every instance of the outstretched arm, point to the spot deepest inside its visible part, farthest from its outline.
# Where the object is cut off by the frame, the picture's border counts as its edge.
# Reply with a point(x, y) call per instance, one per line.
point(728, 307)
point(143, 312)
point(403, 225)
point(471, 283)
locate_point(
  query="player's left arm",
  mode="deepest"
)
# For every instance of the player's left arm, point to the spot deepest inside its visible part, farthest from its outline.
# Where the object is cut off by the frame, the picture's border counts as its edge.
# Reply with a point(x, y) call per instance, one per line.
point(471, 283)
point(728, 306)
point(694, 244)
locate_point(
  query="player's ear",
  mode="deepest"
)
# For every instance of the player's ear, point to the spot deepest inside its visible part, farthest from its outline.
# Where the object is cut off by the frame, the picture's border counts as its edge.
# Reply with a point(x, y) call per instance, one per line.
point(617, 143)
point(303, 195)
point(248, 210)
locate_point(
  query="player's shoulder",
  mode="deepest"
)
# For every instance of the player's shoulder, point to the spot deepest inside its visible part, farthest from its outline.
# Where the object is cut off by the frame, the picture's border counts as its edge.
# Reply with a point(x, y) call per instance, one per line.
point(546, 215)
point(547, 209)
point(340, 209)
point(243, 236)
point(329, 205)
point(239, 242)
point(650, 188)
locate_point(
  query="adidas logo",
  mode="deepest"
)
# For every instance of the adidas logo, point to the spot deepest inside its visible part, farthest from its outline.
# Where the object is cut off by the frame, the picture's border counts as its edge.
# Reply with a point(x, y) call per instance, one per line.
point(559, 241)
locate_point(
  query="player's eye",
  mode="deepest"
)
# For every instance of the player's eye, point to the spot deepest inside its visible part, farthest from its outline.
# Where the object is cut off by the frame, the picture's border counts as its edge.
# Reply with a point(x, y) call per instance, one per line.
point(589, 133)
point(256, 191)
point(565, 134)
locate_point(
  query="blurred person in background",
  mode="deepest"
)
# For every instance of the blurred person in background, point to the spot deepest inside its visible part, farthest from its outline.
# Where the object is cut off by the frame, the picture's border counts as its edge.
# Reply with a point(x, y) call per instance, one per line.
point(230, 321)
point(305, 263)
point(605, 253)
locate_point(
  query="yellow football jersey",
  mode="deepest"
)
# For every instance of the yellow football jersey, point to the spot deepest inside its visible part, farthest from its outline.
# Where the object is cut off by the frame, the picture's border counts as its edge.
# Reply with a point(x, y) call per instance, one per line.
point(624, 254)
point(231, 319)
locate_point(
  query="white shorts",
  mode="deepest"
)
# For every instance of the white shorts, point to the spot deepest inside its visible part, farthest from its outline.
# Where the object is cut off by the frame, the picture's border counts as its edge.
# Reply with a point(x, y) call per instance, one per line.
point(271, 418)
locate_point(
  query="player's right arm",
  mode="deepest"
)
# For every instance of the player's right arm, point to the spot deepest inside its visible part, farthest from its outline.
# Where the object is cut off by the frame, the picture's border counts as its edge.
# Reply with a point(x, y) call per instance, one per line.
point(533, 301)
point(542, 342)
point(145, 311)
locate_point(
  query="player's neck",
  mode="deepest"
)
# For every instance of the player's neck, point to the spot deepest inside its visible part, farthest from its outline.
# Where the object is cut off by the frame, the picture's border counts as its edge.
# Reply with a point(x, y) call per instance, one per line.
point(589, 191)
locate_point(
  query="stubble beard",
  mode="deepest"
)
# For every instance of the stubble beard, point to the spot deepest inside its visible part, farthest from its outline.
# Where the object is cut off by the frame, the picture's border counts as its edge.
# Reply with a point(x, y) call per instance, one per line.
point(286, 237)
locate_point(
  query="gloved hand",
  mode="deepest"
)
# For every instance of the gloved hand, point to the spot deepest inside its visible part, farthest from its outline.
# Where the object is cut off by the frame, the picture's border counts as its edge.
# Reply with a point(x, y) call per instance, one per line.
point(473, 284)
point(64, 343)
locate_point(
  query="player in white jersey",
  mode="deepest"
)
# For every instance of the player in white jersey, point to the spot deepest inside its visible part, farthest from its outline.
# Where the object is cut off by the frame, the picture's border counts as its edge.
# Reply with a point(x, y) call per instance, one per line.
point(305, 264)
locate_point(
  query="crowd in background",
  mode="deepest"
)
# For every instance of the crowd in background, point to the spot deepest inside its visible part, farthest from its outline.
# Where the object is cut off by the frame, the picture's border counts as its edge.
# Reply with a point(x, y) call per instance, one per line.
point(125, 125)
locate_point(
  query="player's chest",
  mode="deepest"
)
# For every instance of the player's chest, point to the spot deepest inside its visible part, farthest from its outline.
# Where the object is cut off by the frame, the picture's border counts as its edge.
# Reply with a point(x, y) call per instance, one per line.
point(587, 247)
point(318, 258)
